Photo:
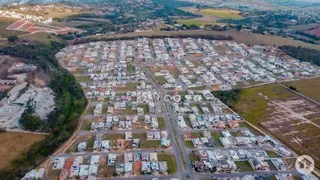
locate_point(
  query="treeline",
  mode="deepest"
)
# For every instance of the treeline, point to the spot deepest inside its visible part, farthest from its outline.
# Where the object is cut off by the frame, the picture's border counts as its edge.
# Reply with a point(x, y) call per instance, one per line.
point(303, 54)
point(94, 39)
point(62, 122)
point(230, 98)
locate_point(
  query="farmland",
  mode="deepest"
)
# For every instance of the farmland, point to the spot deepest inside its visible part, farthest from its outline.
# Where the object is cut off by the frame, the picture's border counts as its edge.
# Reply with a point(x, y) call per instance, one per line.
point(290, 118)
point(9, 149)
point(223, 13)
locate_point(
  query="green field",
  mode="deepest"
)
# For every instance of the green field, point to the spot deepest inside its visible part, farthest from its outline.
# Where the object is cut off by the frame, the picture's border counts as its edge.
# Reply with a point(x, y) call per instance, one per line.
point(252, 104)
point(223, 13)
point(195, 22)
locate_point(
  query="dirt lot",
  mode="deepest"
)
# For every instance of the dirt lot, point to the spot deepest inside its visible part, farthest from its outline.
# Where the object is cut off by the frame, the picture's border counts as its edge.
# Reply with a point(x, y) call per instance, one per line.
point(292, 119)
point(9, 149)
point(315, 31)
point(309, 87)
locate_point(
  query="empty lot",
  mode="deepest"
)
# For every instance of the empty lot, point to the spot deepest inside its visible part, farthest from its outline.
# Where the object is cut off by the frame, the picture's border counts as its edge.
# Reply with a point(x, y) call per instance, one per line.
point(290, 118)
point(309, 87)
point(14, 144)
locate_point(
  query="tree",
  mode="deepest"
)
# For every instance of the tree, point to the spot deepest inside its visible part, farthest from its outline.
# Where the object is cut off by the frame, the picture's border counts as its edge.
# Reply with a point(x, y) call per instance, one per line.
point(31, 122)
point(293, 88)
point(239, 27)
point(13, 38)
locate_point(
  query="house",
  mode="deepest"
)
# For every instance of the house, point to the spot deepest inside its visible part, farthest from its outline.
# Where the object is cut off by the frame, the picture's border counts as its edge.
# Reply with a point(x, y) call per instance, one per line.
point(145, 156)
point(111, 159)
point(258, 164)
point(84, 171)
point(82, 146)
point(135, 143)
point(163, 166)
point(93, 170)
point(128, 167)
point(34, 174)
point(95, 160)
point(58, 163)
point(145, 167)
point(128, 135)
point(128, 157)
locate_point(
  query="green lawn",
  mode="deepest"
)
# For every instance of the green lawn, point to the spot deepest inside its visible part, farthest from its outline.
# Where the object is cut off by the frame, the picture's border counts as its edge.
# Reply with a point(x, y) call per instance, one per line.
point(162, 123)
point(141, 136)
point(196, 134)
point(187, 122)
point(150, 144)
point(161, 80)
point(193, 157)
point(145, 108)
point(273, 154)
point(188, 144)
point(172, 163)
point(216, 136)
point(131, 68)
point(244, 166)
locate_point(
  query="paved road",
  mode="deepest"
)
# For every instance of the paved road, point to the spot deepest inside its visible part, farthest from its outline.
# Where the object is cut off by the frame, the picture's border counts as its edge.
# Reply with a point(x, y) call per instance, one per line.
point(169, 127)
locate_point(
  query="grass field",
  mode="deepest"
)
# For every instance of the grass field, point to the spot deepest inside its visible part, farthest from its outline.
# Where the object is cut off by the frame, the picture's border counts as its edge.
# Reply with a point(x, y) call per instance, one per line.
point(195, 21)
point(4, 23)
point(252, 106)
point(150, 144)
point(309, 87)
point(14, 144)
point(244, 166)
point(40, 36)
point(223, 13)
point(172, 163)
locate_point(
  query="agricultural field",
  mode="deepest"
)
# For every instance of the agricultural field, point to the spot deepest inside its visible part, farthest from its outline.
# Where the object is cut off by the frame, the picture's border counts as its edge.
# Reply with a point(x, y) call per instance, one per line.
point(223, 13)
point(290, 118)
point(4, 23)
point(9, 149)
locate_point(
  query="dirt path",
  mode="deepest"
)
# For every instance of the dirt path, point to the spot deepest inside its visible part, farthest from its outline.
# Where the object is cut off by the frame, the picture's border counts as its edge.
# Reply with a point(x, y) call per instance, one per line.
point(66, 145)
